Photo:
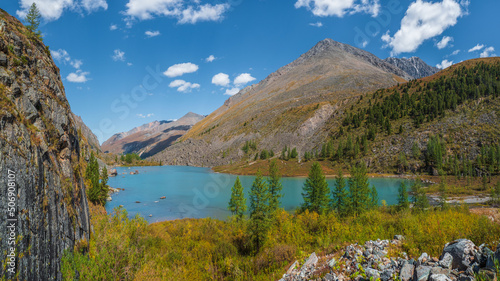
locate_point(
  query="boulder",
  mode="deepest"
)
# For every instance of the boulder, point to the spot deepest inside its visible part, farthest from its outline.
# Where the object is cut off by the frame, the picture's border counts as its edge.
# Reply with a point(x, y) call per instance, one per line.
point(423, 258)
point(488, 274)
point(462, 251)
point(311, 262)
point(406, 272)
point(446, 261)
point(372, 274)
point(292, 267)
point(113, 172)
point(439, 277)
point(422, 273)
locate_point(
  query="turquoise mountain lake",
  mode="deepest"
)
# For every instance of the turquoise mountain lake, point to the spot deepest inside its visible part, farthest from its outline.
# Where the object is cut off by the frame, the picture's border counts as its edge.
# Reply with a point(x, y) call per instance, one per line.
point(192, 192)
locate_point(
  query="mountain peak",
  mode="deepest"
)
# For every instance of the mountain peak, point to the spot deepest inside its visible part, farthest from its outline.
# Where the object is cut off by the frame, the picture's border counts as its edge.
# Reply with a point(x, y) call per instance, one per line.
point(414, 66)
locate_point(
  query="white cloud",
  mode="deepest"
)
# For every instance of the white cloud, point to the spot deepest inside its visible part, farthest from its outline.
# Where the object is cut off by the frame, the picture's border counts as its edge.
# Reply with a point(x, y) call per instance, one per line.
point(118, 55)
point(232, 92)
point(148, 9)
point(476, 48)
point(180, 69)
point(316, 24)
point(140, 115)
point(243, 78)
point(221, 79)
point(53, 9)
point(364, 44)
point(78, 77)
point(422, 21)
point(205, 12)
point(113, 27)
point(152, 33)
point(183, 86)
point(129, 64)
point(94, 5)
point(210, 58)
point(76, 63)
point(324, 8)
point(60, 55)
point(455, 53)
point(444, 42)
point(487, 52)
point(63, 56)
point(444, 64)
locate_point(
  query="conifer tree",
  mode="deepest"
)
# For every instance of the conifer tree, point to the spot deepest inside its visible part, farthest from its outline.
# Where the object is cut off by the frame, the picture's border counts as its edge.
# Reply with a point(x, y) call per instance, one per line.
point(443, 198)
point(259, 211)
point(403, 202)
point(420, 200)
point(374, 198)
point(359, 189)
point(238, 202)
point(33, 21)
point(316, 192)
point(275, 186)
point(340, 200)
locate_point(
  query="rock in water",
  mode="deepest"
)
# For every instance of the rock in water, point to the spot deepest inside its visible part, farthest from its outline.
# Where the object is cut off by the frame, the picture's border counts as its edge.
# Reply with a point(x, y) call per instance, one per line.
point(462, 251)
point(41, 149)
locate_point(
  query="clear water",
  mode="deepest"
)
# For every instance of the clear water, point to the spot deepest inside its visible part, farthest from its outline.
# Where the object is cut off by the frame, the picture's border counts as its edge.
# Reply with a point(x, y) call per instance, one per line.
point(192, 192)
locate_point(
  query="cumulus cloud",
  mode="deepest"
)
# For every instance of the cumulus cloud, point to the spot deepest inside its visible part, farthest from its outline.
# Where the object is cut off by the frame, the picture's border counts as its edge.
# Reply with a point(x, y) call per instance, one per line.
point(113, 27)
point(152, 33)
point(422, 21)
point(60, 55)
point(191, 13)
point(316, 24)
point(52, 10)
point(180, 69)
point(94, 5)
point(210, 58)
point(476, 48)
point(183, 86)
point(455, 53)
point(232, 91)
point(78, 77)
point(140, 115)
point(243, 78)
point(444, 64)
point(487, 52)
point(338, 8)
point(221, 79)
point(76, 63)
point(63, 56)
point(444, 42)
point(118, 55)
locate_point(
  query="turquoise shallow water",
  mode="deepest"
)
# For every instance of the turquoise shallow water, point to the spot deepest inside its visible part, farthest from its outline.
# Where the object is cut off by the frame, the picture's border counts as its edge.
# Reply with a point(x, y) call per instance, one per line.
point(193, 192)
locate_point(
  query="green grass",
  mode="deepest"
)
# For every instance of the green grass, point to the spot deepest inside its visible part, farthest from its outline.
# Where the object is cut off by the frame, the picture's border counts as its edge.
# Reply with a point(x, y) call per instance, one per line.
point(208, 249)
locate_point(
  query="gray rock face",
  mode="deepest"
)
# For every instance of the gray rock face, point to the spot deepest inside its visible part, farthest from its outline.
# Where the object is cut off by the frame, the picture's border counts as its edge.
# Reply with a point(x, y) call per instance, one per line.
point(50, 200)
point(414, 66)
point(439, 277)
point(406, 273)
point(422, 273)
point(462, 251)
point(446, 261)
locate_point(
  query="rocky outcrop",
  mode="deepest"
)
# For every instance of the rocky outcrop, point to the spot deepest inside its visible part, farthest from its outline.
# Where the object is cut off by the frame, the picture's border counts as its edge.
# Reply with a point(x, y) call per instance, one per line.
point(414, 66)
point(39, 160)
point(461, 260)
point(86, 134)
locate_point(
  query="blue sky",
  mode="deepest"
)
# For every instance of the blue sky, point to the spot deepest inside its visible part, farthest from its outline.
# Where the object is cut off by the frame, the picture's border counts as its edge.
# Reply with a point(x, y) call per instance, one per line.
point(130, 62)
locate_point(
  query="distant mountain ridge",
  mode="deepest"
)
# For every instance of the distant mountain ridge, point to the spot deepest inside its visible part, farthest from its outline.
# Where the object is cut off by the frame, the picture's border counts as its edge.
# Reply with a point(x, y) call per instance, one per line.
point(150, 138)
point(414, 66)
point(289, 107)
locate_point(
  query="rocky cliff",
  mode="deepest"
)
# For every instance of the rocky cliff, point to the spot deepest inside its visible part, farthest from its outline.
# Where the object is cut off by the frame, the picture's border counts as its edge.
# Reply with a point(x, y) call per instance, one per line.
point(86, 135)
point(39, 161)
point(414, 66)
point(151, 138)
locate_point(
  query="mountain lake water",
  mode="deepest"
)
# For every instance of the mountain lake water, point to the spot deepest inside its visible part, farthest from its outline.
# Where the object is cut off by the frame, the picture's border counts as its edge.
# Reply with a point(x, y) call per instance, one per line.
point(193, 192)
